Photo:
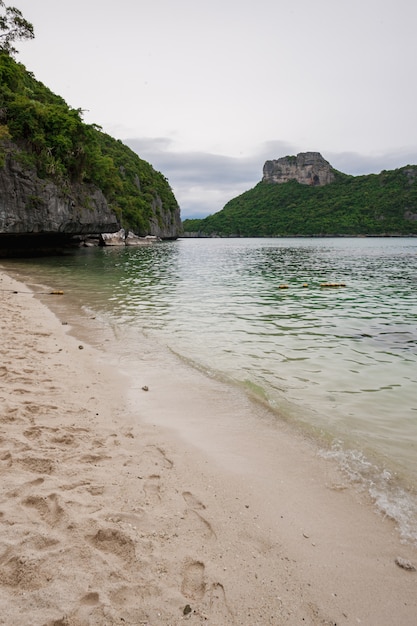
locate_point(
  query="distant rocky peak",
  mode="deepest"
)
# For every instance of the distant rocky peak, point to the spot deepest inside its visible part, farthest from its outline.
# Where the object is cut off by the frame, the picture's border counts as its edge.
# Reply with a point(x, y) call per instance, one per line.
point(307, 168)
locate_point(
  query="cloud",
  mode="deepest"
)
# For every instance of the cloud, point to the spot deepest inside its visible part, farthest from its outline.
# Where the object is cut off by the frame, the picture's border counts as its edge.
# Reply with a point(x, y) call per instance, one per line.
point(204, 182)
point(358, 164)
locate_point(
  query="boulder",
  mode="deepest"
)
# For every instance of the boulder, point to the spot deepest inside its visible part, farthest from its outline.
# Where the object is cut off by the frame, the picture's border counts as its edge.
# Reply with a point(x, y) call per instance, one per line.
point(130, 239)
point(113, 239)
point(134, 240)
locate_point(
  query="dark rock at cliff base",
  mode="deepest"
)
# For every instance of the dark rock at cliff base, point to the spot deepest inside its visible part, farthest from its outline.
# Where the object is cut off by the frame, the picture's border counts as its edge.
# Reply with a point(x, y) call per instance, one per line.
point(307, 168)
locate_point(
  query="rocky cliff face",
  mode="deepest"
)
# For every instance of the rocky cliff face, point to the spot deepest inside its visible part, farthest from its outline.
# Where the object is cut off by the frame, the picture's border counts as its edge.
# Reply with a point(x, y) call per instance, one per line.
point(30, 205)
point(36, 213)
point(164, 224)
point(307, 168)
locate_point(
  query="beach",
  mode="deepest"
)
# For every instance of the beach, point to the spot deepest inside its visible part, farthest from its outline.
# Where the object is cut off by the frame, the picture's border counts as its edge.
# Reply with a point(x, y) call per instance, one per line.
point(171, 498)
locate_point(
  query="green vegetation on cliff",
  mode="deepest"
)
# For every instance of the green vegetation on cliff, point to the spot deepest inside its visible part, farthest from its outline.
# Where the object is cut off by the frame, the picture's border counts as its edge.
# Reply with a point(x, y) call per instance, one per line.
point(52, 137)
point(352, 205)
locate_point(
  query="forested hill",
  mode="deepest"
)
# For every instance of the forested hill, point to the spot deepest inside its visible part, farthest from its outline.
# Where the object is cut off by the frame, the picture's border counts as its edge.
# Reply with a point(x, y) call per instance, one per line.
point(375, 204)
point(46, 144)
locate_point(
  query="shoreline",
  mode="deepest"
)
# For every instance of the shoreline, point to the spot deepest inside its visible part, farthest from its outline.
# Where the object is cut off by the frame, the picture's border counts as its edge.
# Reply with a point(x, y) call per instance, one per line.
point(121, 505)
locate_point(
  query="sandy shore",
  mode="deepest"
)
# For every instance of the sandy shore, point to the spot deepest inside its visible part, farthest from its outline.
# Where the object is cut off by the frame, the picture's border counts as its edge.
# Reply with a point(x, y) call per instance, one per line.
point(182, 503)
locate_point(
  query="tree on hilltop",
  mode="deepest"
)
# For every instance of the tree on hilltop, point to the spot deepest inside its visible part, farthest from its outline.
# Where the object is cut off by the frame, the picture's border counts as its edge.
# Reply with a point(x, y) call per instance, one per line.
point(13, 27)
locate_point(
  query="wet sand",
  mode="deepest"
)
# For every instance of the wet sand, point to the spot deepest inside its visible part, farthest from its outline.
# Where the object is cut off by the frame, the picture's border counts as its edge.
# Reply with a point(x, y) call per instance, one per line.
point(182, 502)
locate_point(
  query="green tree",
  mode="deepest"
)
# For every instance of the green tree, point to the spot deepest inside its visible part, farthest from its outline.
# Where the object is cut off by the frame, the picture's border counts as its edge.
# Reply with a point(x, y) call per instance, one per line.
point(13, 27)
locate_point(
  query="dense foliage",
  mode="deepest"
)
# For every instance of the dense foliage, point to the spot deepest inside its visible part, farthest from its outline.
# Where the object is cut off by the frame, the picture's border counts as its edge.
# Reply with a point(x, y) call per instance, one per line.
point(54, 139)
point(352, 205)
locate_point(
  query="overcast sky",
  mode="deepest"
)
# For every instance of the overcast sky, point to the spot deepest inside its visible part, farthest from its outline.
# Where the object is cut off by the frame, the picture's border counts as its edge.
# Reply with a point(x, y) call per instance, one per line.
point(208, 90)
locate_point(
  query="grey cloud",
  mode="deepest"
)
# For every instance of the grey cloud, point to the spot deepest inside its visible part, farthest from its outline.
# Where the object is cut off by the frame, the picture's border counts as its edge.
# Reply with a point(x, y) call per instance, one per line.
point(201, 167)
point(202, 182)
point(358, 164)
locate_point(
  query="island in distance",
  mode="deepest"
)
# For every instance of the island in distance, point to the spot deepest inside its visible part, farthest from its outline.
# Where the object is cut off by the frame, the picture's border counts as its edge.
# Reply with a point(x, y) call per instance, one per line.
point(305, 196)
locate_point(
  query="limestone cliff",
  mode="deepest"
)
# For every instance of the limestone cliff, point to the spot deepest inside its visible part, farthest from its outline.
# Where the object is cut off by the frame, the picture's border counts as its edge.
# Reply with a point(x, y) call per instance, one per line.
point(164, 224)
point(307, 168)
point(31, 205)
point(39, 215)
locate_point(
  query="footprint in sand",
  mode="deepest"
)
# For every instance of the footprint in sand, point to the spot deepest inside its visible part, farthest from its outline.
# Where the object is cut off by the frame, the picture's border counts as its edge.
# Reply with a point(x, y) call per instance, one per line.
point(156, 457)
point(48, 509)
point(192, 501)
point(194, 587)
point(45, 435)
point(41, 543)
point(196, 523)
point(34, 432)
point(90, 599)
point(37, 465)
point(114, 541)
point(22, 572)
point(193, 584)
point(219, 608)
point(152, 489)
point(65, 439)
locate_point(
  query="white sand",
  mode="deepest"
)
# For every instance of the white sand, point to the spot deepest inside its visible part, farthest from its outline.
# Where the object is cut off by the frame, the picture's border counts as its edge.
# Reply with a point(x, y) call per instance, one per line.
point(125, 506)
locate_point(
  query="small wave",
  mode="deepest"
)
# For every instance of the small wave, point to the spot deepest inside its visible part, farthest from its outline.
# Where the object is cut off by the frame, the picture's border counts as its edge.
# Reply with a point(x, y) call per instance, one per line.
point(390, 499)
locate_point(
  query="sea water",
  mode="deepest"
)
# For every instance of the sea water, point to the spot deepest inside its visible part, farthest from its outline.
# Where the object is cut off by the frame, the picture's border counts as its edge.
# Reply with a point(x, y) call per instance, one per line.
point(322, 331)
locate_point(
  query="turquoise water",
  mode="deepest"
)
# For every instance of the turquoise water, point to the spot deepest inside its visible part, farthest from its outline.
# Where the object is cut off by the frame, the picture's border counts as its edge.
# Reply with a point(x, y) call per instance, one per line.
point(341, 362)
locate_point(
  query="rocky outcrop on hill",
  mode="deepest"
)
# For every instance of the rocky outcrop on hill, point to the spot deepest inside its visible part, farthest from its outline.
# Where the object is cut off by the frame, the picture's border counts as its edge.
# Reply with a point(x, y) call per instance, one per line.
point(307, 168)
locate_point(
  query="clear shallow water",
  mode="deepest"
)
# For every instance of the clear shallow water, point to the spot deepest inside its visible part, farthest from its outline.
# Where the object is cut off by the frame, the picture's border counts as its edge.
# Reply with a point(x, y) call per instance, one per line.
point(340, 361)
